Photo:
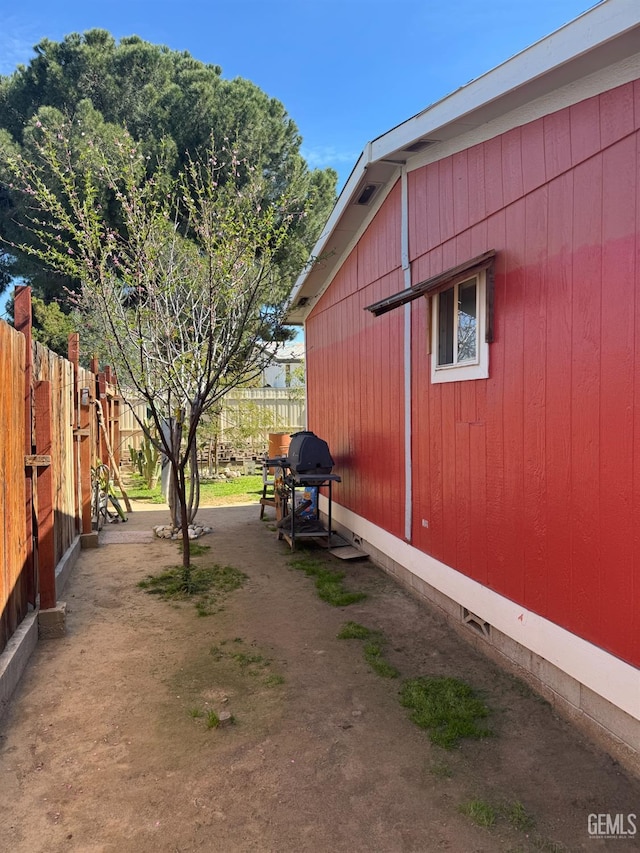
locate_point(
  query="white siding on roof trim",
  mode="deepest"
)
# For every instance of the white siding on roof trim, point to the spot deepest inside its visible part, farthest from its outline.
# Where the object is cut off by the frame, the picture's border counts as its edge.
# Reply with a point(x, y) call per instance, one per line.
point(595, 84)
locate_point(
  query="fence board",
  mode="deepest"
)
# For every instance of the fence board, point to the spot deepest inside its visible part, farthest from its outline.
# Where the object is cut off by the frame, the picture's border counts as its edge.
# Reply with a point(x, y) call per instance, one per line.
point(73, 452)
point(13, 544)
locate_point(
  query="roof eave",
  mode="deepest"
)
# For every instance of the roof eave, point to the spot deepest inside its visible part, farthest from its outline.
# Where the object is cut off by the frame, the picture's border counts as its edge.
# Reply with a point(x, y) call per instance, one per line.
point(599, 37)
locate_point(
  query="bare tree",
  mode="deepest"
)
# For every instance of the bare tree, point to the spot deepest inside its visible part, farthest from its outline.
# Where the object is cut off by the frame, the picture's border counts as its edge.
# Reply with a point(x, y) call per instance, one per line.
point(182, 296)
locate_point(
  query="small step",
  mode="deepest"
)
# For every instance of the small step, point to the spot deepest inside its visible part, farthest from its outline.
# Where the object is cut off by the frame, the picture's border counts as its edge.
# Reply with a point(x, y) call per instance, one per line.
point(347, 552)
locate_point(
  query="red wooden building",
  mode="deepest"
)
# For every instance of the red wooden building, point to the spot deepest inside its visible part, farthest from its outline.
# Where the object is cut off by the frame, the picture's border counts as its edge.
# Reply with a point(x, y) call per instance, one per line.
point(473, 360)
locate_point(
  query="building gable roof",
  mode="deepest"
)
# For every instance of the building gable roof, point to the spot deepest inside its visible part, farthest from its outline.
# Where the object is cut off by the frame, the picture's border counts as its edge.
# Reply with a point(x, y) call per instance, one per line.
point(604, 36)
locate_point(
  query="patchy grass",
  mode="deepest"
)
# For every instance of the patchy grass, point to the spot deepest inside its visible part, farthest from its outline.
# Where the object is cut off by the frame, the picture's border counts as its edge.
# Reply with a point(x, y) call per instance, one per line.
point(206, 586)
point(517, 816)
point(195, 548)
point(373, 656)
point(353, 631)
point(213, 720)
point(249, 662)
point(481, 812)
point(548, 846)
point(484, 813)
point(373, 650)
point(137, 490)
point(329, 582)
point(239, 490)
point(254, 664)
point(447, 707)
point(441, 770)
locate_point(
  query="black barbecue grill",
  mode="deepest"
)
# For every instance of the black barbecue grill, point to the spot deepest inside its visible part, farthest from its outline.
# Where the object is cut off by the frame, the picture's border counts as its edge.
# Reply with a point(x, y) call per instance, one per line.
point(308, 455)
point(307, 466)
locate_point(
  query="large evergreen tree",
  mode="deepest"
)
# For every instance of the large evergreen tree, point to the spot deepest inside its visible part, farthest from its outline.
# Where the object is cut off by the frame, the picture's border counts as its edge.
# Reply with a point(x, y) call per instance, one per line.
point(172, 105)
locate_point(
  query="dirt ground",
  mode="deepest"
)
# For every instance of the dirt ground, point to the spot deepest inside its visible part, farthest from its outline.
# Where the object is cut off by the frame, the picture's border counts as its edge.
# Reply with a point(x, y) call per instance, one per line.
point(100, 749)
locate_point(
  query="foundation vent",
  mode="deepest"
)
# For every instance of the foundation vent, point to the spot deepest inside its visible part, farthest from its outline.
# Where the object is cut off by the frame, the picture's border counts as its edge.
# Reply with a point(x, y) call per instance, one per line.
point(476, 623)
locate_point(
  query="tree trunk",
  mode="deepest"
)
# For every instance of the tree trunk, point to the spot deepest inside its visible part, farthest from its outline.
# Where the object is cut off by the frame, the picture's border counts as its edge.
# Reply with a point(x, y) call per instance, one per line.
point(184, 514)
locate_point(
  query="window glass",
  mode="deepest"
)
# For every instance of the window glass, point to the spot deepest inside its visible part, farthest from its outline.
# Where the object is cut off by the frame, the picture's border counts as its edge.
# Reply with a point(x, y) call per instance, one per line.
point(445, 327)
point(460, 349)
point(467, 322)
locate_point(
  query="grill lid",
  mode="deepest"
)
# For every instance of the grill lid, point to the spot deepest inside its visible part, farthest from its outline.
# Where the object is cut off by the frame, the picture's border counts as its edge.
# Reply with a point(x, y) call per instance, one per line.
point(309, 454)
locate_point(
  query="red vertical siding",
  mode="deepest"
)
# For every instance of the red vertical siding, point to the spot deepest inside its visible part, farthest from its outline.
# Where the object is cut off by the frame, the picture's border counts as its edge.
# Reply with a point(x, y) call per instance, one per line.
point(355, 370)
point(512, 580)
point(528, 481)
point(512, 177)
point(497, 520)
point(634, 539)
point(585, 399)
point(557, 143)
point(535, 400)
point(558, 412)
point(617, 366)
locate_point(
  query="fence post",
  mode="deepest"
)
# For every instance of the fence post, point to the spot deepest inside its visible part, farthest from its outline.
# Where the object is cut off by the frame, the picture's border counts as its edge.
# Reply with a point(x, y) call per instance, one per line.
point(22, 322)
point(73, 350)
point(44, 490)
point(85, 431)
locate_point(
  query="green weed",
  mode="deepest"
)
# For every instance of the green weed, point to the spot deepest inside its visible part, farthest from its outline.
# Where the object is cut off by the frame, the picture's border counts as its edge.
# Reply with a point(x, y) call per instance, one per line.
point(195, 548)
point(250, 660)
point(441, 770)
point(239, 490)
point(485, 814)
point(547, 846)
point(205, 585)
point(373, 650)
point(481, 812)
point(449, 708)
point(353, 631)
point(213, 720)
point(245, 489)
point(373, 656)
point(329, 582)
point(518, 816)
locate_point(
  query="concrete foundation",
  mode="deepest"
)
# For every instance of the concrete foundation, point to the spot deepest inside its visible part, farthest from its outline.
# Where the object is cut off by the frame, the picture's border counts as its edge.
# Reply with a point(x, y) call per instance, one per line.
point(615, 731)
point(68, 561)
point(89, 540)
point(15, 656)
point(52, 623)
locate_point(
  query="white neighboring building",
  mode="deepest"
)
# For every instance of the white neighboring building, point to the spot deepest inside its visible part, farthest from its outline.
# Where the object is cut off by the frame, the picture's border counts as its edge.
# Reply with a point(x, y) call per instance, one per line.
point(286, 408)
point(281, 373)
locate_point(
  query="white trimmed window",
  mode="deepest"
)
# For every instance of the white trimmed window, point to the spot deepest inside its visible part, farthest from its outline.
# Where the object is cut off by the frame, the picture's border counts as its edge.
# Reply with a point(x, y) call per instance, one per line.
point(459, 341)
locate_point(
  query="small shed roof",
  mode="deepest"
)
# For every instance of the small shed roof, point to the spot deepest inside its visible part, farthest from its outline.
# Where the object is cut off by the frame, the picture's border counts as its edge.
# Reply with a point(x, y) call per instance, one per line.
point(604, 35)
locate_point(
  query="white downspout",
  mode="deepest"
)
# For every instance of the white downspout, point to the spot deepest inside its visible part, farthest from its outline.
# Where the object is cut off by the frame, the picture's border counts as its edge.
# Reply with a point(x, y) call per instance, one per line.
point(406, 266)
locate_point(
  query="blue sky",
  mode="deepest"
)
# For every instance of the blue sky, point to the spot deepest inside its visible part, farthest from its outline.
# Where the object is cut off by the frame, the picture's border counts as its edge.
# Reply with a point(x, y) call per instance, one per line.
point(346, 70)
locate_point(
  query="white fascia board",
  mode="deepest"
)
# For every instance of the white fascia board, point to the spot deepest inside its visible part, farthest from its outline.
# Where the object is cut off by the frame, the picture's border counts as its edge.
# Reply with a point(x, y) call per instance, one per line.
point(345, 198)
point(594, 28)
